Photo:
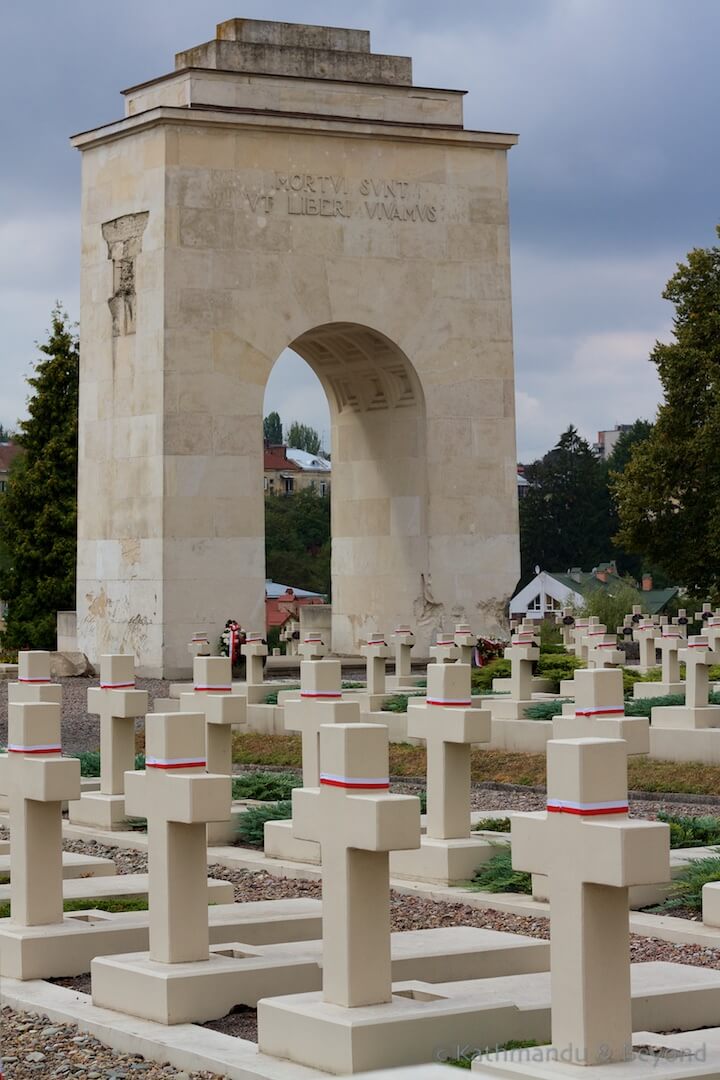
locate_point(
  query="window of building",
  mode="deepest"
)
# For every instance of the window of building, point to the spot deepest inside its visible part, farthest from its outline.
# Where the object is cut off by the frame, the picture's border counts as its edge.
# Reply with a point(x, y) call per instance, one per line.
point(534, 604)
point(551, 604)
point(289, 485)
point(3, 485)
point(323, 487)
point(267, 483)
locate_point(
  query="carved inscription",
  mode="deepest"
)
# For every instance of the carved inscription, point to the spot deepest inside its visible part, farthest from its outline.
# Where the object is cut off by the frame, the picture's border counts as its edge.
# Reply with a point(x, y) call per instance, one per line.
point(319, 195)
point(123, 236)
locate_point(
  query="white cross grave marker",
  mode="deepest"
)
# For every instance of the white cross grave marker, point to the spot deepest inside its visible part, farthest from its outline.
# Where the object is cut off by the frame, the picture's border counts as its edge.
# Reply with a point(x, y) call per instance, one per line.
point(522, 654)
point(404, 641)
point(600, 712)
point(444, 651)
point(37, 779)
point(179, 799)
point(465, 641)
point(320, 703)
point(376, 653)
point(602, 648)
point(357, 823)
point(255, 651)
point(449, 725)
point(118, 704)
point(592, 853)
point(312, 646)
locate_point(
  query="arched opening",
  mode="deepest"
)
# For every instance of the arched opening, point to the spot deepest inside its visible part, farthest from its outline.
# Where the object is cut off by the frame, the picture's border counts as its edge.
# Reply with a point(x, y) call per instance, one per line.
point(378, 479)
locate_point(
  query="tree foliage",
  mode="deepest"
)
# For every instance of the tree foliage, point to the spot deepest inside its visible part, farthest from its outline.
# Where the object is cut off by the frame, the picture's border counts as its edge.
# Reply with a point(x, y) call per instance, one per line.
point(669, 494)
point(273, 429)
point(38, 510)
point(565, 513)
point(304, 437)
point(297, 540)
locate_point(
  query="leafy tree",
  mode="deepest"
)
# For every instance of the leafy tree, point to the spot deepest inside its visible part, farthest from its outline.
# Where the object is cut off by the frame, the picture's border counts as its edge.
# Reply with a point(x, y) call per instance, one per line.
point(272, 429)
point(623, 449)
point(38, 510)
point(304, 437)
point(5, 434)
point(565, 513)
point(297, 540)
point(669, 494)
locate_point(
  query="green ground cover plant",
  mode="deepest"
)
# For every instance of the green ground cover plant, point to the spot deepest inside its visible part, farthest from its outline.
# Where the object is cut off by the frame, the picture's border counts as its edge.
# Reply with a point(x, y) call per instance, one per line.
point(251, 824)
point(265, 786)
point(492, 824)
point(497, 876)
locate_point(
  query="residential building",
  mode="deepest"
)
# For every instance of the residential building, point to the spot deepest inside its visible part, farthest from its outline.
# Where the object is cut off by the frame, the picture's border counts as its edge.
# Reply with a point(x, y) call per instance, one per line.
point(282, 602)
point(549, 591)
point(606, 440)
point(288, 470)
point(8, 452)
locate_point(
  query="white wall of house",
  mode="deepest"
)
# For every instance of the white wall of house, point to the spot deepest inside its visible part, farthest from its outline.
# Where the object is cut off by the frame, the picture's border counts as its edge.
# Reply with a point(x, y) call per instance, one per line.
point(542, 596)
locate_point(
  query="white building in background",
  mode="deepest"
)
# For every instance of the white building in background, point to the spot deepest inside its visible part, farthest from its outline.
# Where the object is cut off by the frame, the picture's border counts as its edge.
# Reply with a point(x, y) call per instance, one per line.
point(606, 440)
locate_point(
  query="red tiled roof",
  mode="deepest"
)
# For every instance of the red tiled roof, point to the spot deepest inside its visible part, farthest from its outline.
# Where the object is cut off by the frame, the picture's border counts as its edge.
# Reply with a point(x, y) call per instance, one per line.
point(276, 458)
point(8, 453)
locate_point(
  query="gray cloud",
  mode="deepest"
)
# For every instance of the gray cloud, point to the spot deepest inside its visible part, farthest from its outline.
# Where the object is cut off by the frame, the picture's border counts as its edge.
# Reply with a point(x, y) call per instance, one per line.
point(613, 181)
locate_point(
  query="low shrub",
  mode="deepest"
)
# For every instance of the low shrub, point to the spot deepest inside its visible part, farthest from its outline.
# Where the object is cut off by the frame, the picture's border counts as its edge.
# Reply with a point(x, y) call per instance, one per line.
point(497, 876)
point(90, 762)
point(354, 686)
point(251, 824)
point(271, 698)
point(481, 678)
point(492, 824)
point(686, 889)
point(265, 786)
point(686, 831)
point(545, 710)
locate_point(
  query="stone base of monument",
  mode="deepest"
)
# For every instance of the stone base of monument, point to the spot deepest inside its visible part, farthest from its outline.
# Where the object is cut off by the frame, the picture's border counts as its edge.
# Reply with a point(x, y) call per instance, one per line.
point(402, 684)
point(658, 689)
point(678, 744)
point(166, 704)
point(444, 862)
point(99, 811)
point(537, 686)
point(635, 730)
point(68, 948)
point(686, 717)
point(242, 975)
point(281, 844)
point(74, 866)
point(125, 887)
point(424, 1017)
point(688, 1056)
point(266, 719)
point(522, 736)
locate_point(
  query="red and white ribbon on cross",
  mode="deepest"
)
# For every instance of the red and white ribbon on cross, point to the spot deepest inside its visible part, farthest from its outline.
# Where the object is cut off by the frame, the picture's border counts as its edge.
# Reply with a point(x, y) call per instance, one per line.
point(213, 688)
point(464, 703)
point(352, 782)
point(117, 685)
point(34, 681)
point(39, 748)
point(379, 641)
point(327, 697)
point(590, 809)
point(175, 763)
point(606, 645)
point(601, 710)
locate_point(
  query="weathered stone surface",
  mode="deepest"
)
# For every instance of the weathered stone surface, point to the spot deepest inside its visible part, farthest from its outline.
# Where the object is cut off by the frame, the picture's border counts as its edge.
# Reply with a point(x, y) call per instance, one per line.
point(378, 254)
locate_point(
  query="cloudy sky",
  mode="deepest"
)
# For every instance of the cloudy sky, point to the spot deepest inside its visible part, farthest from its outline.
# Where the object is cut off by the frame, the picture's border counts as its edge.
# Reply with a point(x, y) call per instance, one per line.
point(614, 179)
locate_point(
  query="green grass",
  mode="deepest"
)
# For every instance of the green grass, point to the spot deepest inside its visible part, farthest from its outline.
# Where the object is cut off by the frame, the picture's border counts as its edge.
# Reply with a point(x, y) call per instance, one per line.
point(107, 903)
point(686, 889)
point(497, 876)
point(272, 697)
point(492, 824)
point(397, 703)
point(265, 786)
point(545, 710)
point(513, 1044)
point(251, 824)
point(686, 832)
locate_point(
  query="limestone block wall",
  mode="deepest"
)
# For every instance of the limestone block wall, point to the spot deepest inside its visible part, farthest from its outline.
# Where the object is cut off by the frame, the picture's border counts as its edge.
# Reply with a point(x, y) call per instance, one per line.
point(212, 241)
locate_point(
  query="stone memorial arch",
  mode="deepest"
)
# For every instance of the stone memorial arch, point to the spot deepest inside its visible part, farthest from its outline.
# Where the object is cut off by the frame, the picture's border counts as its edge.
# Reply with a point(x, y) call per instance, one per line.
point(286, 187)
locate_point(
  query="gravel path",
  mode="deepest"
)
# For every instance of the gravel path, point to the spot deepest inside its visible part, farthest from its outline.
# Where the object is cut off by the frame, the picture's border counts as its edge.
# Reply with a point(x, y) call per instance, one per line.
point(80, 731)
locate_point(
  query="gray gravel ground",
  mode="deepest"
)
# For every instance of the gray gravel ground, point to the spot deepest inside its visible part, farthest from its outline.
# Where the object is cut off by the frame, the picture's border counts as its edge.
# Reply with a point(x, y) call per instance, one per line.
point(80, 731)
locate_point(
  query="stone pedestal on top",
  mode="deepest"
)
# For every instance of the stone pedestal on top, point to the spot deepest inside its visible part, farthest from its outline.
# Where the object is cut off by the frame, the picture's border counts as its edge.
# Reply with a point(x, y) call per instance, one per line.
point(690, 732)
point(403, 640)
point(33, 681)
point(448, 853)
